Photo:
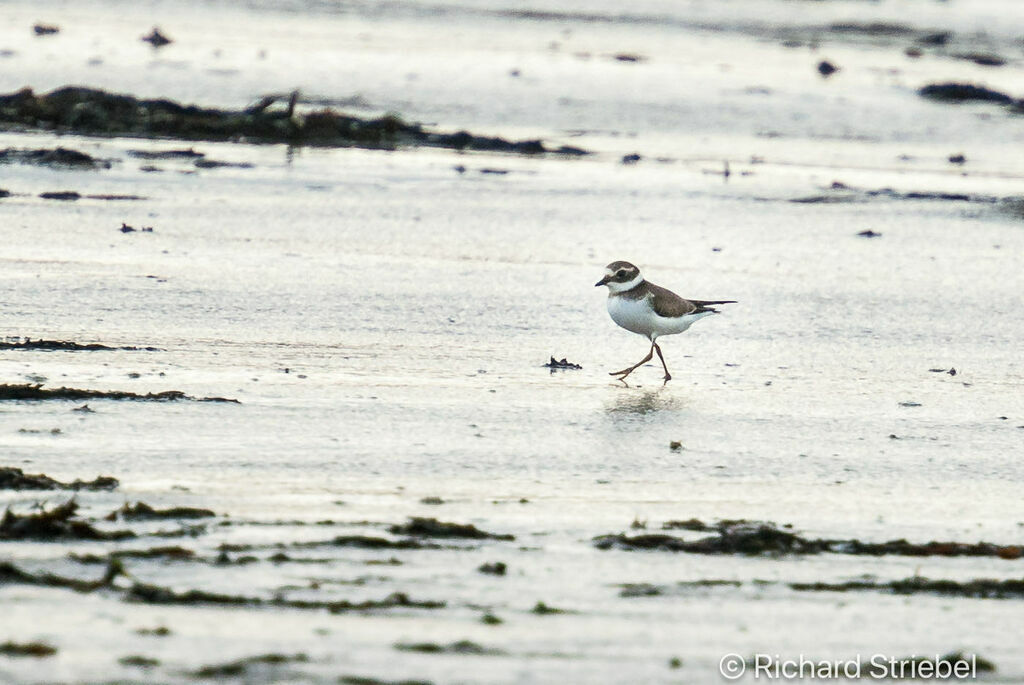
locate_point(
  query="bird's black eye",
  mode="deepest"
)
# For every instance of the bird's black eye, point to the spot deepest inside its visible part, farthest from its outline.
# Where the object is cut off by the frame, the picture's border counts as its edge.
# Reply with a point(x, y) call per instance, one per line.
point(621, 273)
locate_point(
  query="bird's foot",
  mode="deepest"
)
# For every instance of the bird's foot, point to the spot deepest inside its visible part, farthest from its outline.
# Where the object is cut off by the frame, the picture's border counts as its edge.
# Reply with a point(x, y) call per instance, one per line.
point(668, 377)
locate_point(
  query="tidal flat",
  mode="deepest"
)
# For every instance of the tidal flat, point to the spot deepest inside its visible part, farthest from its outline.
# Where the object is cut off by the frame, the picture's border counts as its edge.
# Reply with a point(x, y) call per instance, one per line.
point(424, 473)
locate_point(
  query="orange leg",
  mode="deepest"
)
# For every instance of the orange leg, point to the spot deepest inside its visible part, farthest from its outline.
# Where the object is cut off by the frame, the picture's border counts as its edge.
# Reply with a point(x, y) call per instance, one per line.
point(657, 349)
point(625, 372)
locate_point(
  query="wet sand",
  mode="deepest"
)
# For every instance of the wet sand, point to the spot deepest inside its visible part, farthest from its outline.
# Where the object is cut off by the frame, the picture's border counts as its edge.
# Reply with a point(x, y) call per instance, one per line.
point(382, 319)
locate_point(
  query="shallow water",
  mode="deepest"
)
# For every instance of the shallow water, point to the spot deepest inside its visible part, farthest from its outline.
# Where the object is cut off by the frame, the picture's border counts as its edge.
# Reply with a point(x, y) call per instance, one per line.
point(383, 317)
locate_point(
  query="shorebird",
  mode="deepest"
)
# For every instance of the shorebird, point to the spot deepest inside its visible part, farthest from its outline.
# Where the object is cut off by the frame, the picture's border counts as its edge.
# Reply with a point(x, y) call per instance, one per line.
point(649, 310)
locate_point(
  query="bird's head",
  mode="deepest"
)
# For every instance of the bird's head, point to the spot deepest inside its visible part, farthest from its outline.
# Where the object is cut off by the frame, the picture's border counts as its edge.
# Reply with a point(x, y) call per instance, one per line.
point(621, 276)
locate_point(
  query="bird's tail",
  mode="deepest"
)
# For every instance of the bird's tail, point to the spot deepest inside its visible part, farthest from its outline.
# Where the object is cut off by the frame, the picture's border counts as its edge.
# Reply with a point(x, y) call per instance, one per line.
point(706, 305)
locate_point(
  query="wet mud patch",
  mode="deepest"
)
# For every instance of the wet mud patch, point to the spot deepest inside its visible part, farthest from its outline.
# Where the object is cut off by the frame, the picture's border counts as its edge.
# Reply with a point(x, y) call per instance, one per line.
point(95, 112)
point(35, 391)
point(765, 538)
point(12, 478)
point(68, 346)
point(432, 528)
point(57, 524)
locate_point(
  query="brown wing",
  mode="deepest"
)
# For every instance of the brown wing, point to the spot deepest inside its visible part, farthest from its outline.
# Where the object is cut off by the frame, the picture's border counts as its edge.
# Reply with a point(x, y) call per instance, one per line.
point(667, 303)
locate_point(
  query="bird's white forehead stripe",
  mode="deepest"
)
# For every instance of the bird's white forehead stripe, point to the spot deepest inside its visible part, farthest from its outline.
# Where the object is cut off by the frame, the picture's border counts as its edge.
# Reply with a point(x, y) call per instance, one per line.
point(616, 287)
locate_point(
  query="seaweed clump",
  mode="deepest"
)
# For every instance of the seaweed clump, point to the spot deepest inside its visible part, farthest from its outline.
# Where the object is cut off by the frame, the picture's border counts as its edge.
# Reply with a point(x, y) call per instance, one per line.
point(32, 649)
point(35, 391)
point(240, 666)
point(459, 647)
point(56, 157)
point(68, 345)
point(756, 537)
point(13, 478)
point(979, 588)
point(562, 363)
point(431, 527)
point(58, 523)
point(965, 92)
point(75, 109)
point(141, 511)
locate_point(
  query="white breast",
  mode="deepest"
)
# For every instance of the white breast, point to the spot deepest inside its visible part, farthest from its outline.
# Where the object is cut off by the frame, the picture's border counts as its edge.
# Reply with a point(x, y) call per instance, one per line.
point(633, 315)
point(638, 317)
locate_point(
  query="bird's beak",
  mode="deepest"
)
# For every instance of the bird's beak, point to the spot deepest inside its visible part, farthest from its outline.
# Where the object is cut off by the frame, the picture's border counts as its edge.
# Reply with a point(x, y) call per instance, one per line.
point(603, 281)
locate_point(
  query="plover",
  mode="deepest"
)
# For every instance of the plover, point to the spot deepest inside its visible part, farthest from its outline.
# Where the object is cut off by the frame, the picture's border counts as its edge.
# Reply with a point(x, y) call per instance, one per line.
point(649, 310)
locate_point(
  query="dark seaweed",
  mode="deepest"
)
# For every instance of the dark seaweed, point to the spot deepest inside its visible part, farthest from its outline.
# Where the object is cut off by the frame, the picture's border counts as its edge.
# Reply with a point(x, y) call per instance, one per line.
point(752, 538)
point(173, 552)
point(460, 647)
point(143, 512)
point(30, 391)
point(59, 157)
point(562, 363)
point(964, 92)
point(12, 478)
point(96, 112)
point(498, 568)
point(155, 594)
point(689, 524)
point(166, 154)
point(54, 524)
point(431, 527)
point(240, 666)
point(11, 574)
point(542, 609)
point(156, 39)
point(62, 195)
point(366, 680)
point(979, 588)
point(369, 542)
point(29, 344)
point(32, 649)
point(649, 590)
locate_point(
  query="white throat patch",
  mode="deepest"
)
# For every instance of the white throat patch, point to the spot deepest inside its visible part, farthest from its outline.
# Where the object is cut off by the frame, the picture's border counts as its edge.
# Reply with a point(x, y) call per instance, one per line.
point(614, 287)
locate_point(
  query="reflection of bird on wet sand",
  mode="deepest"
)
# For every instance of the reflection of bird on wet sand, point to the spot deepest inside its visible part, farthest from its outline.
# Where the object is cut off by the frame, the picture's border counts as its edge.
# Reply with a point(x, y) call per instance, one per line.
point(649, 310)
point(647, 402)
